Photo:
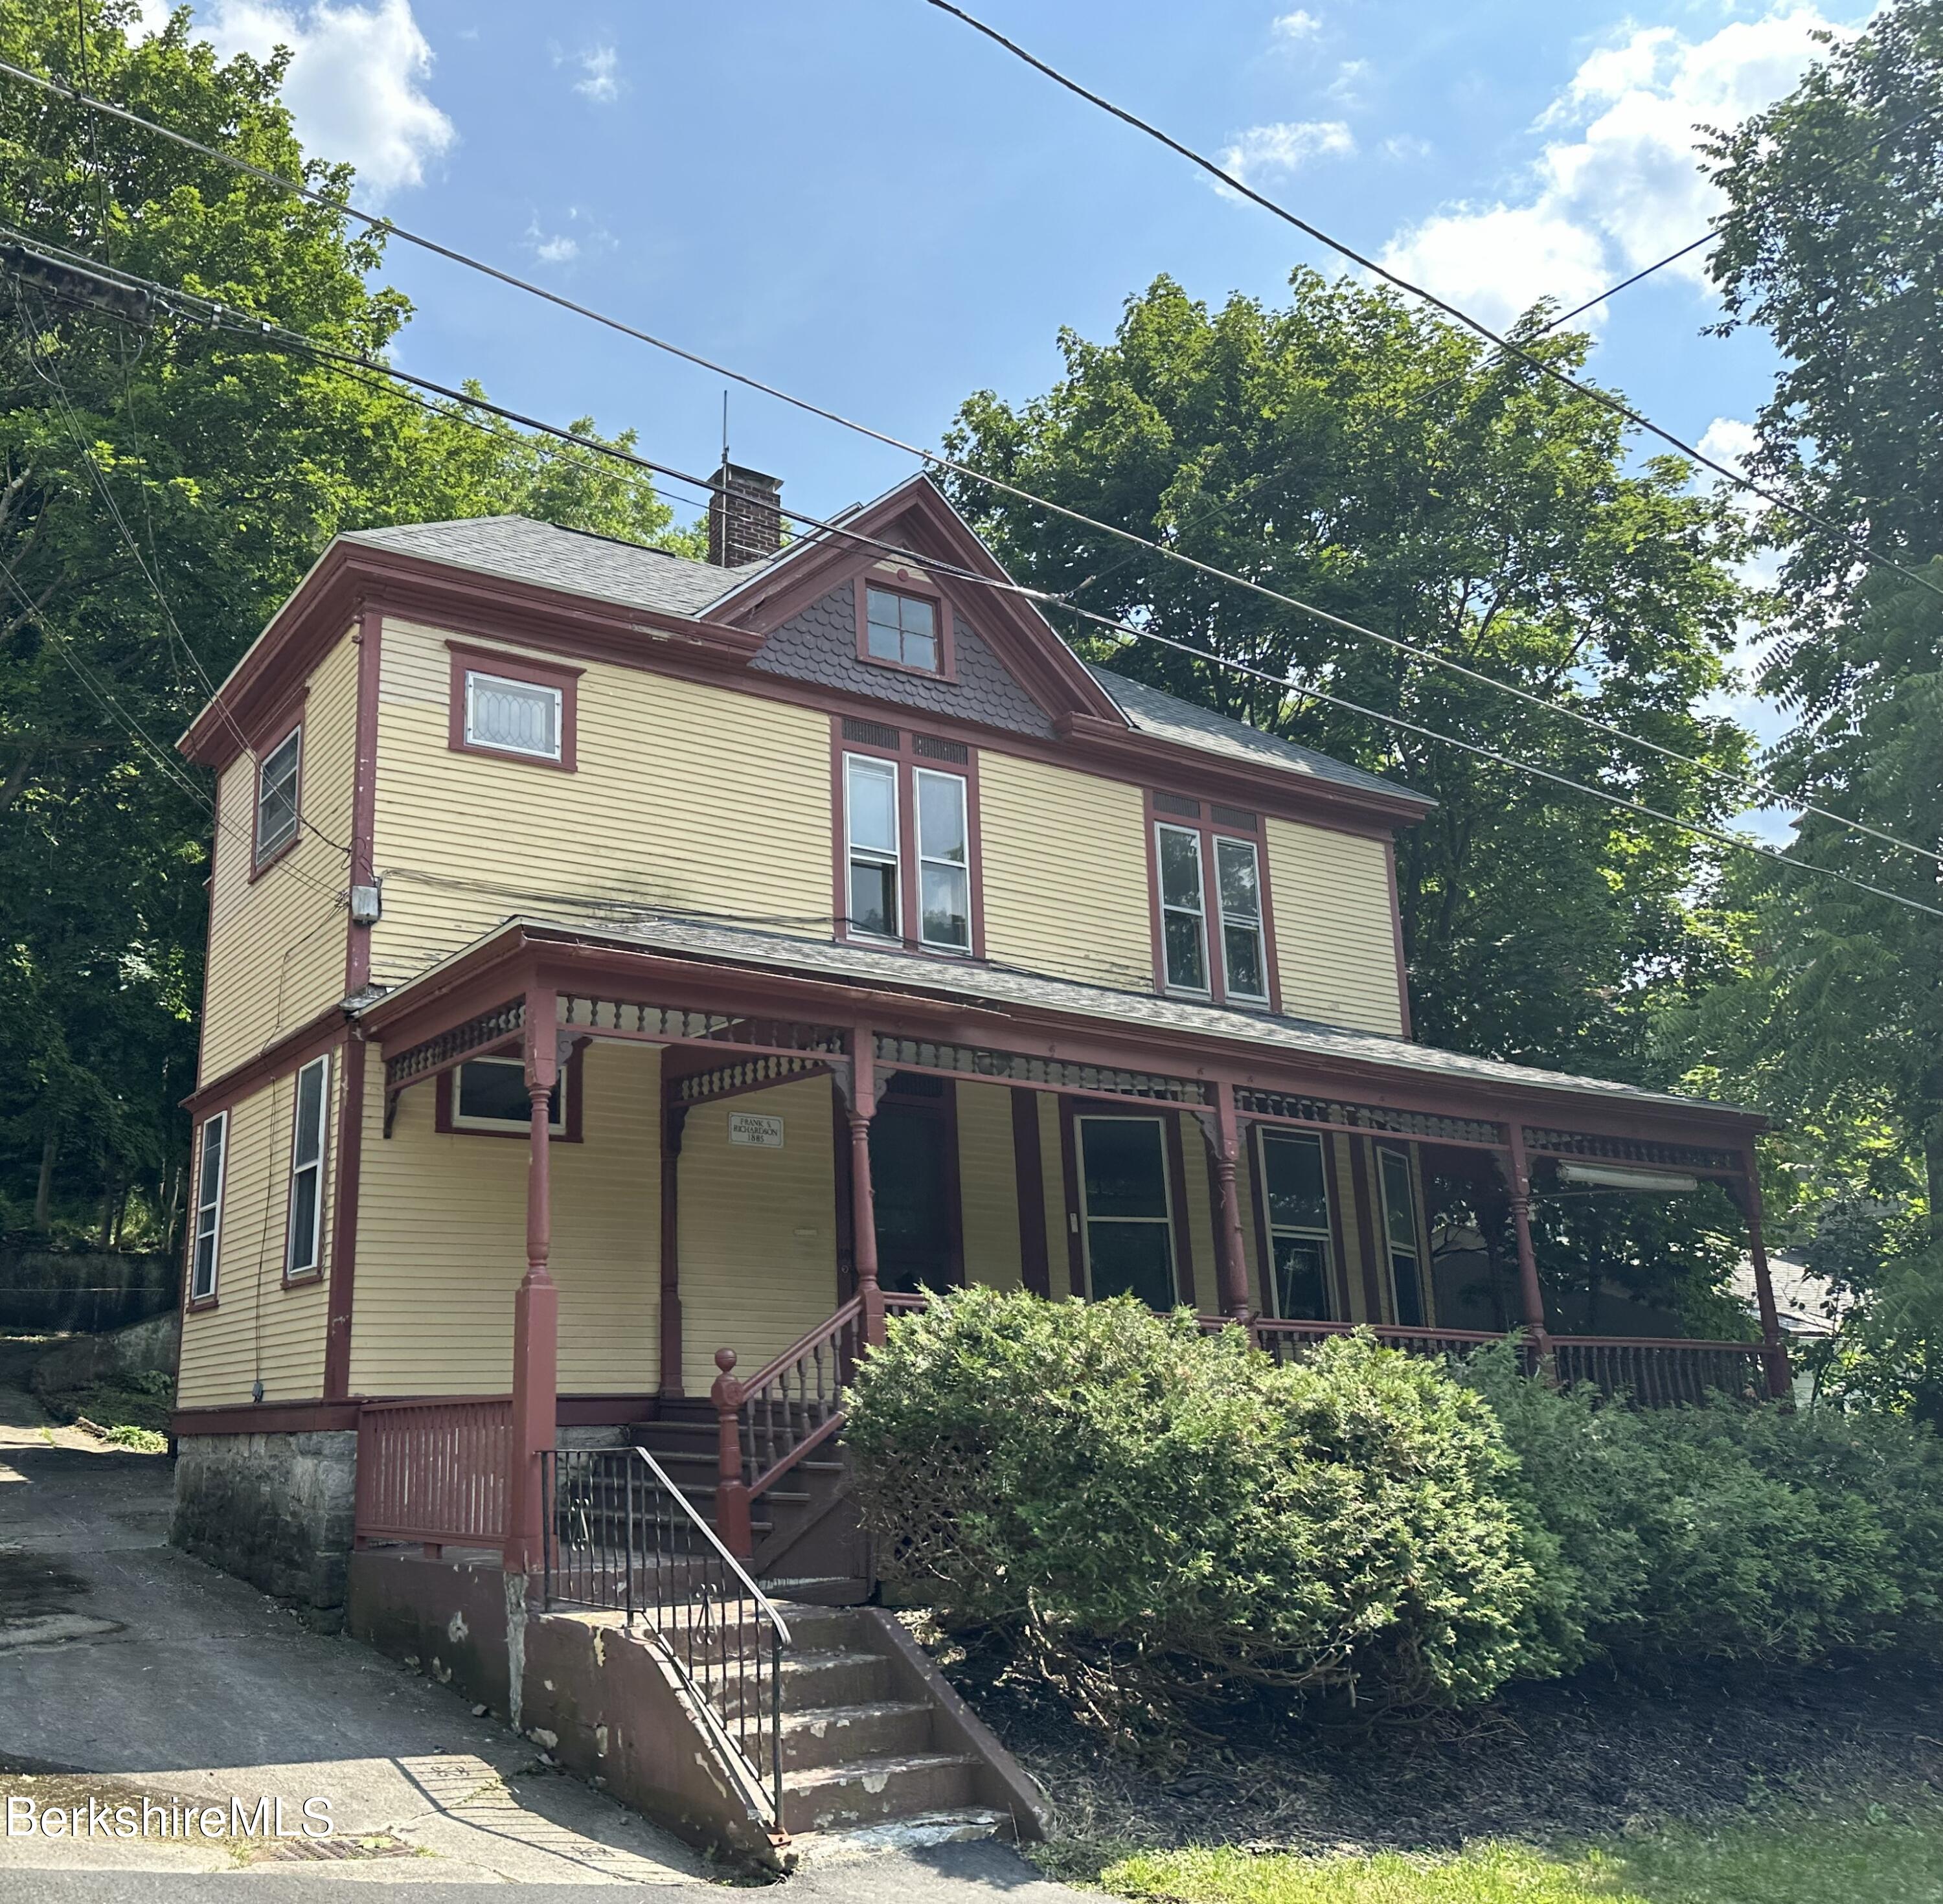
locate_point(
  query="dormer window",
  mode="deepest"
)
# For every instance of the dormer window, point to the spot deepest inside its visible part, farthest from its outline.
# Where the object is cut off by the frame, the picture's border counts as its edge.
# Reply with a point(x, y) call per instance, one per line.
point(902, 629)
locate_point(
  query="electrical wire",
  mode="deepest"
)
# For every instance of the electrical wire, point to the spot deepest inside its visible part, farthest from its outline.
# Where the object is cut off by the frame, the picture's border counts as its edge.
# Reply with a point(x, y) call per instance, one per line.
point(272, 335)
point(1858, 547)
point(1431, 657)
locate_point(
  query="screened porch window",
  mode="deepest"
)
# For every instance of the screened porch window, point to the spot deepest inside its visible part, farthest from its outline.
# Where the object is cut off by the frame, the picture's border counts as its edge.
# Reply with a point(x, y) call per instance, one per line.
point(491, 1095)
point(1126, 1210)
point(1400, 1236)
point(1295, 1187)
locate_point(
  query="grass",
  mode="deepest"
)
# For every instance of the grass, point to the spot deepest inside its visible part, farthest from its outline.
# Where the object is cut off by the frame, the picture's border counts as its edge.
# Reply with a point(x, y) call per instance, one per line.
point(1863, 1854)
point(134, 1411)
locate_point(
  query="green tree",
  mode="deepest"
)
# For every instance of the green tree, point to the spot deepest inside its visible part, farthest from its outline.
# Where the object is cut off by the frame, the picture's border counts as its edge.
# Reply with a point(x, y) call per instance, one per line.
point(1833, 242)
point(162, 487)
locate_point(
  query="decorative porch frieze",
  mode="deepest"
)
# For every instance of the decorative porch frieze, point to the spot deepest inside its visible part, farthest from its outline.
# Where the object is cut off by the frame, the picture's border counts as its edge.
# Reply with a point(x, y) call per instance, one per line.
point(1041, 1074)
point(746, 1074)
point(1295, 1108)
point(438, 1054)
point(620, 1018)
point(1630, 1150)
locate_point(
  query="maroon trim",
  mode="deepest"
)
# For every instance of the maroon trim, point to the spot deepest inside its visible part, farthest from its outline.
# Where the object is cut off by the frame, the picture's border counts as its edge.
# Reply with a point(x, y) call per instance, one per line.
point(674, 1119)
point(266, 1418)
point(284, 729)
point(1396, 934)
point(296, 1048)
point(368, 637)
point(846, 1235)
point(1209, 831)
point(572, 1132)
point(913, 589)
point(466, 659)
point(412, 588)
point(344, 1223)
point(909, 765)
point(1069, 1168)
point(1258, 1211)
point(1029, 1174)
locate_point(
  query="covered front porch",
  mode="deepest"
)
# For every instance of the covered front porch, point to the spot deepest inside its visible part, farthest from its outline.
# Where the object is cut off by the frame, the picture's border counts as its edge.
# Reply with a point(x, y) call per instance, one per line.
point(814, 1134)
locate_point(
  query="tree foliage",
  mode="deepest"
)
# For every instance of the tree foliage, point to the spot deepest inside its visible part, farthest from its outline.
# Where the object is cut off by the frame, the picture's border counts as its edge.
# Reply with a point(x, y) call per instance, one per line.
point(162, 487)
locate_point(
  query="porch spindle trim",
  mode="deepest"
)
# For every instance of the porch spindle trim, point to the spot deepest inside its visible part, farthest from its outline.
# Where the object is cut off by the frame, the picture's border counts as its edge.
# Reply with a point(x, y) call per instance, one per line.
point(1295, 1108)
point(1629, 1149)
point(726, 1080)
point(419, 1061)
point(1041, 1074)
point(623, 1018)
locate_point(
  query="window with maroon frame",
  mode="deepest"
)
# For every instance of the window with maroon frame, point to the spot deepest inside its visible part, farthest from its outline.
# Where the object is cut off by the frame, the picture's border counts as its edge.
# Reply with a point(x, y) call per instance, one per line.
point(277, 774)
point(885, 871)
point(1213, 924)
point(903, 630)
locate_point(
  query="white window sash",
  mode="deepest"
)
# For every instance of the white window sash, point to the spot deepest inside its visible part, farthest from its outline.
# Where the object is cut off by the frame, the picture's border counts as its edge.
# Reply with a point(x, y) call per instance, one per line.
point(268, 788)
point(477, 678)
point(1409, 1249)
point(303, 1245)
point(1198, 912)
point(556, 1120)
point(1241, 922)
point(963, 867)
point(869, 765)
point(1164, 1222)
point(209, 1207)
point(1322, 1234)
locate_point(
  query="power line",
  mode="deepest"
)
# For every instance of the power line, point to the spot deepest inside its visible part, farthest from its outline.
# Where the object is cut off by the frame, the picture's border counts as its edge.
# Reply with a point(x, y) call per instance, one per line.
point(257, 330)
point(1860, 549)
point(1625, 284)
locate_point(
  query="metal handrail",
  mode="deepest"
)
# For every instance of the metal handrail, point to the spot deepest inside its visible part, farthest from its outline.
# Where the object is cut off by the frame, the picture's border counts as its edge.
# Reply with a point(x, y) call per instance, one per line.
point(768, 1607)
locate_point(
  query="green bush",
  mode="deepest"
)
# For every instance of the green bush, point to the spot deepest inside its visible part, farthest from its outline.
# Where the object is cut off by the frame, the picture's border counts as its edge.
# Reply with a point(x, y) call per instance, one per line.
point(1720, 1532)
point(1156, 1516)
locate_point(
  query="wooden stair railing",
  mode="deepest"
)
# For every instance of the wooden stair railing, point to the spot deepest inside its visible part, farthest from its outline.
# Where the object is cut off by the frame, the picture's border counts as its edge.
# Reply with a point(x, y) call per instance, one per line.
point(778, 1416)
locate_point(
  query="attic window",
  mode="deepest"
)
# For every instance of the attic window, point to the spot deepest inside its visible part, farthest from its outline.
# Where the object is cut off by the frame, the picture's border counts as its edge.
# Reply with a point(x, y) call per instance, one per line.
point(903, 630)
point(513, 706)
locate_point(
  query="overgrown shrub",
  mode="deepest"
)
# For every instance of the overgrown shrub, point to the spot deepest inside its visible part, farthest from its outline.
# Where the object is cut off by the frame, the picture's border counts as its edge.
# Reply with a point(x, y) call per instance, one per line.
point(1720, 1532)
point(1156, 1516)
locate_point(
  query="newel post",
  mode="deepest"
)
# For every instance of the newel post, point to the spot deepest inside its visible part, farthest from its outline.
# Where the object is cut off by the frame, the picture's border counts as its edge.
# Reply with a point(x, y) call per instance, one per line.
point(536, 1306)
point(1230, 1255)
point(863, 1105)
point(731, 1487)
point(1774, 1350)
point(1531, 1294)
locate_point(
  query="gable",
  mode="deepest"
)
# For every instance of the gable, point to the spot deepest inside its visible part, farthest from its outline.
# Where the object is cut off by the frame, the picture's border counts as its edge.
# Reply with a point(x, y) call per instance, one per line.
point(819, 644)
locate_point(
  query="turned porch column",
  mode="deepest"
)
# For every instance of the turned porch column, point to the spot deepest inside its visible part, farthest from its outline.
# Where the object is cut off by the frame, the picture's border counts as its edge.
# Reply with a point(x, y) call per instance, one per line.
point(863, 1107)
point(536, 1306)
point(1531, 1295)
point(1231, 1261)
point(1774, 1350)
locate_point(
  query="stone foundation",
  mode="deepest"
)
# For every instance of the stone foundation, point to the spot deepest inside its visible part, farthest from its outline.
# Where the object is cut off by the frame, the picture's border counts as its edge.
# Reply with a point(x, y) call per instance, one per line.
point(276, 1510)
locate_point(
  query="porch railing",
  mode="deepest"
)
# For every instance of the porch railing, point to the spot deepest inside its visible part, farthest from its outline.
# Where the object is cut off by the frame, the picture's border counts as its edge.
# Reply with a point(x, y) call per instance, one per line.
point(1283, 1340)
point(619, 1535)
point(1657, 1371)
point(434, 1470)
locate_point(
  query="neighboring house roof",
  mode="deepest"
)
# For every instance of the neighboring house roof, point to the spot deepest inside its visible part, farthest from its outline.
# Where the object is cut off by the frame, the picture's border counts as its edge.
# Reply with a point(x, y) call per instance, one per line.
point(1003, 985)
point(1154, 711)
point(1808, 1304)
point(573, 560)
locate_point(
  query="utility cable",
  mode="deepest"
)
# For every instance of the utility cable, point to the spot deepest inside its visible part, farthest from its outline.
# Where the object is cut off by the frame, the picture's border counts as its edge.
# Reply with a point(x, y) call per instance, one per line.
point(1860, 549)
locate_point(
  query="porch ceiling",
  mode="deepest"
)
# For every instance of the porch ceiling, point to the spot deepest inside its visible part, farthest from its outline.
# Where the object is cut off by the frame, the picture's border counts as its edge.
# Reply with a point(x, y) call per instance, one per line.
point(1226, 1038)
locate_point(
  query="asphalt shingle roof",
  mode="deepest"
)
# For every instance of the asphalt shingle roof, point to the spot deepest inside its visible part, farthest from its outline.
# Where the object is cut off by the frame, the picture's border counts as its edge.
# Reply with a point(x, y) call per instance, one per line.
point(1002, 985)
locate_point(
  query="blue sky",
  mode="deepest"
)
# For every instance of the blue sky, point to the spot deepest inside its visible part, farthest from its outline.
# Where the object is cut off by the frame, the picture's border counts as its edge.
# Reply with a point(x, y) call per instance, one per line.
point(864, 202)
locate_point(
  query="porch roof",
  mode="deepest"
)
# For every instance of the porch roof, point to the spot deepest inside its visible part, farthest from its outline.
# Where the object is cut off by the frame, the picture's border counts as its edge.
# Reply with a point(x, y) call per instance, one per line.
point(989, 986)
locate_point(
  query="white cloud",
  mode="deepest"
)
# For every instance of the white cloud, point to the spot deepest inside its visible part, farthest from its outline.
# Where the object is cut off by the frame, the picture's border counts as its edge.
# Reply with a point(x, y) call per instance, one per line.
point(1402, 146)
point(1620, 186)
point(1284, 147)
point(1346, 88)
point(557, 250)
point(1301, 25)
point(1729, 439)
point(601, 65)
point(356, 83)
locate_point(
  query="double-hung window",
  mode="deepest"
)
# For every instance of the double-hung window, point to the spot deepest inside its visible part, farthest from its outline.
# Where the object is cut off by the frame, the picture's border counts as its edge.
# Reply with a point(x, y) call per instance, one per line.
point(303, 1242)
point(1400, 1237)
point(1127, 1208)
point(1295, 1196)
point(907, 854)
point(1212, 941)
point(277, 793)
point(209, 1207)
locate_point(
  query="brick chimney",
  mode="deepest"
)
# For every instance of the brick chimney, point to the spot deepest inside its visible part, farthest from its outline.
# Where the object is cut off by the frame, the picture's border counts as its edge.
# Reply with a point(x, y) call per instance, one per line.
point(745, 523)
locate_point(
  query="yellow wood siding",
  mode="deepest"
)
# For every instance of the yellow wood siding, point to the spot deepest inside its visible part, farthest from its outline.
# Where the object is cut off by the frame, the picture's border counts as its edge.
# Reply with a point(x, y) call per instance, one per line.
point(1052, 1171)
point(1065, 872)
point(1200, 1218)
point(1342, 1188)
point(757, 1230)
point(1335, 944)
point(684, 796)
point(442, 1230)
point(988, 1185)
point(259, 1328)
point(276, 947)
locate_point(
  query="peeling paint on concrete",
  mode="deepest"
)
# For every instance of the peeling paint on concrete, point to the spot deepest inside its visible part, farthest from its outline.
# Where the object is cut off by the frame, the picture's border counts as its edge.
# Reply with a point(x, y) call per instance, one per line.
point(456, 1629)
point(600, 1740)
point(540, 1736)
point(516, 1646)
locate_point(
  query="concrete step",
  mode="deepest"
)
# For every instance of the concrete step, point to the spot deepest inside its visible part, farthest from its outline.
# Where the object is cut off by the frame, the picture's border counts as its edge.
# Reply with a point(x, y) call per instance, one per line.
point(833, 1798)
point(811, 1680)
point(819, 1851)
point(836, 1735)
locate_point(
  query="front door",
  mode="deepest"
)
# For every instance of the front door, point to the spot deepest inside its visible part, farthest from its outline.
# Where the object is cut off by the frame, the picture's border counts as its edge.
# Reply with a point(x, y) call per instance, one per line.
point(911, 1183)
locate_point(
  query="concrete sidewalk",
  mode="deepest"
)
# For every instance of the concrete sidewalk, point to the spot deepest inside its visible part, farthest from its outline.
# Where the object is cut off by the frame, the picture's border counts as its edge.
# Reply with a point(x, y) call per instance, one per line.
point(127, 1669)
